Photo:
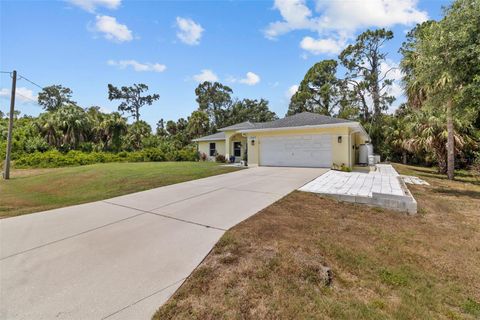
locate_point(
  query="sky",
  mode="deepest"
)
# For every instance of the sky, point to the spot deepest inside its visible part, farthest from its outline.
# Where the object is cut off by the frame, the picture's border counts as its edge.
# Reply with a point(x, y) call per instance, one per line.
point(261, 49)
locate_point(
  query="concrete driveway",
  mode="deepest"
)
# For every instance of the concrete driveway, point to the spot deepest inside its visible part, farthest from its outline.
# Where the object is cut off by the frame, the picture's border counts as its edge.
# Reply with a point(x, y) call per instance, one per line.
point(122, 258)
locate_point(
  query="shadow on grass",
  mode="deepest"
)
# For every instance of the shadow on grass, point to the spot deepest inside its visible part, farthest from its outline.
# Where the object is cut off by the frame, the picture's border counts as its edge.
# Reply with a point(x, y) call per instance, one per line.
point(457, 193)
point(460, 175)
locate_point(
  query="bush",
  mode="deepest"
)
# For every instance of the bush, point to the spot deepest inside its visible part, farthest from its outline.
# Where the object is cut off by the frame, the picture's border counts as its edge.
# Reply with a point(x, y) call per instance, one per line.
point(153, 154)
point(54, 158)
point(202, 156)
point(220, 158)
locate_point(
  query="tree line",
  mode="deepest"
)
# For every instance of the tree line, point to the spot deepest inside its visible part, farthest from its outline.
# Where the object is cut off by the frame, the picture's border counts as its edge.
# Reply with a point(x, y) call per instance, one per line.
point(440, 122)
point(65, 126)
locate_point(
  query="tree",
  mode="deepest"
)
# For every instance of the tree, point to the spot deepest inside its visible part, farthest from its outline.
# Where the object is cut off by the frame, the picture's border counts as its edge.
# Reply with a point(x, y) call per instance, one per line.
point(74, 123)
point(161, 132)
point(319, 90)
point(363, 63)
point(252, 110)
point(198, 124)
point(132, 98)
point(136, 132)
point(446, 66)
point(53, 97)
point(171, 127)
point(112, 128)
point(430, 135)
point(46, 124)
point(214, 99)
point(182, 124)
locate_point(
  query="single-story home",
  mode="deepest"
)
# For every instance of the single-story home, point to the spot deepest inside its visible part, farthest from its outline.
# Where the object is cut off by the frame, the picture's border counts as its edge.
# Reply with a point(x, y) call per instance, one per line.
point(302, 140)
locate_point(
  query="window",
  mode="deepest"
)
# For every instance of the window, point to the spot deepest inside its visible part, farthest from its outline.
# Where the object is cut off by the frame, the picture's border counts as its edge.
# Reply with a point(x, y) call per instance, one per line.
point(237, 149)
point(212, 149)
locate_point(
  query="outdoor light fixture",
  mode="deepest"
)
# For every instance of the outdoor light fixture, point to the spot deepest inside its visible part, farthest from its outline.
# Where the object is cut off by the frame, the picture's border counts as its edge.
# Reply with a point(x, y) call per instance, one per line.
point(253, 142)
point(339, 139)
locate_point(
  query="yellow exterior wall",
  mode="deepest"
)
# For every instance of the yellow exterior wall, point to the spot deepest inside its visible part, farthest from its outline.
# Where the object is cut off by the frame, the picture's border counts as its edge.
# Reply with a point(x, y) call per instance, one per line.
point(204, 147)
point(340, 151)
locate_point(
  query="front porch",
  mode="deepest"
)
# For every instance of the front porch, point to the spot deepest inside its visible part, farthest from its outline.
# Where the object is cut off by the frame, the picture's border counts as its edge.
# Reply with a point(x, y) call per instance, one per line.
point(236, 148)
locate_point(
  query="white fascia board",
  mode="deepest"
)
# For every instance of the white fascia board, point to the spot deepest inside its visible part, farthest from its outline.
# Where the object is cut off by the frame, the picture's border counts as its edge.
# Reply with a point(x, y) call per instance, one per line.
point(205, 140)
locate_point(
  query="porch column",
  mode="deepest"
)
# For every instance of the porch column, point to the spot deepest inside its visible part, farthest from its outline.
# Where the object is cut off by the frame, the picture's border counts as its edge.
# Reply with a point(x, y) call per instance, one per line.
point(228, 143)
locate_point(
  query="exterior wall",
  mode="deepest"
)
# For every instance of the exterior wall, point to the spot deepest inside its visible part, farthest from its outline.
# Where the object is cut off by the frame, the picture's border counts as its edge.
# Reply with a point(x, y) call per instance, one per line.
point(204, 146)
point(341, 153)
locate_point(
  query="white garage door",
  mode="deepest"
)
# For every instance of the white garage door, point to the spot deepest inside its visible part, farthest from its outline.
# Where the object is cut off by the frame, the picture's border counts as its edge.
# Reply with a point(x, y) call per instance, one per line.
point(296, 151)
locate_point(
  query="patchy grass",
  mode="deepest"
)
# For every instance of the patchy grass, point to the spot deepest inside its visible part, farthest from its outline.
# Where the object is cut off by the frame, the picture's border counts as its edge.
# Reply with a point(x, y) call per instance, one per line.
point(385, 265)
point(31, 190)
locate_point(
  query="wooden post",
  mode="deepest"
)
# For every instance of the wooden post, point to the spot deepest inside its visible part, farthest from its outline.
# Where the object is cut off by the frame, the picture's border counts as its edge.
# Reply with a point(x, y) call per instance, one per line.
point(6, 174)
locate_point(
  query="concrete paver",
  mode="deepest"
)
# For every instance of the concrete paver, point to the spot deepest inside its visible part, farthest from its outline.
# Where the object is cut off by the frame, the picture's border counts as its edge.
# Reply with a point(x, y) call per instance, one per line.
point(123, 257)
point(382, 187)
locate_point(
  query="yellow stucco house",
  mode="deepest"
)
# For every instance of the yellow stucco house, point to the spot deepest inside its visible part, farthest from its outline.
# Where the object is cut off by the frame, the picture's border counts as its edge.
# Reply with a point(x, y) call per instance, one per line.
point(302, 140)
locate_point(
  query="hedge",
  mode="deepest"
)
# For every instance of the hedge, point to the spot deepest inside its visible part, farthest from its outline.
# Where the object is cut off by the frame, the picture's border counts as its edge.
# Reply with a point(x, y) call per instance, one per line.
point(54, 158)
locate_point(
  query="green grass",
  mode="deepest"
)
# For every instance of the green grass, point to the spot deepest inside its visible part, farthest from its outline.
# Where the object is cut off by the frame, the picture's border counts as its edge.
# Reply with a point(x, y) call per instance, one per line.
point(32, 190)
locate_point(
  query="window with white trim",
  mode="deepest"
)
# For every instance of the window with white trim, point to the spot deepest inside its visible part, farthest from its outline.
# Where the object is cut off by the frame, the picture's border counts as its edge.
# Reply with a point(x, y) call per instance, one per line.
point(213, 149)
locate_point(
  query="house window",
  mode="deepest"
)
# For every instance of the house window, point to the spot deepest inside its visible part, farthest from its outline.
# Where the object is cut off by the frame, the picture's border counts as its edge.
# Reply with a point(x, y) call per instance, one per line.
point(212, 149)
point(237, 149)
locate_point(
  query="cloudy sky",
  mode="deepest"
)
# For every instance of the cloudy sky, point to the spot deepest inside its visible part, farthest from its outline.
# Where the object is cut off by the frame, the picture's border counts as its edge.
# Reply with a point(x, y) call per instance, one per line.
point(261, 49)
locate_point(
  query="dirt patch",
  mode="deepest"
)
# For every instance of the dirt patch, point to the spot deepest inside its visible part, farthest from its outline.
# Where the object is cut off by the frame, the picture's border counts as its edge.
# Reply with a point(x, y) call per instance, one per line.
point(384, 264)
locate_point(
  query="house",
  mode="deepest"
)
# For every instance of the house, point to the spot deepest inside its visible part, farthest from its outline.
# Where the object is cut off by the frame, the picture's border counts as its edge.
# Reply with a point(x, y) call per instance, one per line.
point(302, 140)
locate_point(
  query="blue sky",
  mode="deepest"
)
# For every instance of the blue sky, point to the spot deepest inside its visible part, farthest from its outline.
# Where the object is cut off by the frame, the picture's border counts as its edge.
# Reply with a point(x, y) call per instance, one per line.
point(261, 49)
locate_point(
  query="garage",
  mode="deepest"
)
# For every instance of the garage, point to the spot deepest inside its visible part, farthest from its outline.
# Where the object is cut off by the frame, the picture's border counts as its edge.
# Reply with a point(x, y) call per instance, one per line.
point(312, 150)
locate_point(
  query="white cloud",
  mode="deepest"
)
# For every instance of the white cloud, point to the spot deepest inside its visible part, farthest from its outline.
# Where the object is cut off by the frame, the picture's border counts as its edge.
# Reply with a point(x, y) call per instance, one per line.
point(291, 91)
point(137, 66)
point(296, 15)
point(91, 5)
point(250, 79)
point(351, 15)
point(205, 75)
point(22, 94)
point(319, 46)
point(112, 30)
point(189, 31)
point(337, 21)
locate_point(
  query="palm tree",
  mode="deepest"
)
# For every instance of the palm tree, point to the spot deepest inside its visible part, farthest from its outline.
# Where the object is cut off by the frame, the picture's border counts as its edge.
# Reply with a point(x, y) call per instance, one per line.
point(112, 128)
point(74, 123)
point(430, 134)
point(46, 125)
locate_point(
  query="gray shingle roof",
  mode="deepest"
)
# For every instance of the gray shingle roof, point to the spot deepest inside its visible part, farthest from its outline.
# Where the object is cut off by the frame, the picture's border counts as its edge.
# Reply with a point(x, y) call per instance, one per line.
point(300, 120)
point(240, 126)
point(212, 137)
point(297, 120)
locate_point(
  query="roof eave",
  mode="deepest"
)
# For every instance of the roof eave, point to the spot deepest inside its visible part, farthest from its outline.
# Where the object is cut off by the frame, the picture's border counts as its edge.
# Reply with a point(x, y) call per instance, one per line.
point(212, 139)
point(329, 125)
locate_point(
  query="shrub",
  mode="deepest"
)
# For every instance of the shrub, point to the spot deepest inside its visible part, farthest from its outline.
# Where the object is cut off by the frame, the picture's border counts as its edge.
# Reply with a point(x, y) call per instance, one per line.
point(220, 158)
point(202, 156)
point(54, 158)
point(153, 154)
point(187, 155)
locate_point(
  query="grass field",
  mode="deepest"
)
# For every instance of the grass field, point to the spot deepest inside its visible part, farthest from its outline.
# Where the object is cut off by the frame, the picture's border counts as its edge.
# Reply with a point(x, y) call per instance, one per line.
point(386, 265)
point(32, 190)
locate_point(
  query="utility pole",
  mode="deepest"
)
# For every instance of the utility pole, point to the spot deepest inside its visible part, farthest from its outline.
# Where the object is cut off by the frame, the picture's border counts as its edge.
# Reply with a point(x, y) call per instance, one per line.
point(6, 174)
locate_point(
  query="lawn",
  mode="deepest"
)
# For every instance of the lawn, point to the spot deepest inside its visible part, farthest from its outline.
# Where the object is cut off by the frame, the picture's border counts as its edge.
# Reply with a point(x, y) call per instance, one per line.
point(32, 190)
point(385, 264)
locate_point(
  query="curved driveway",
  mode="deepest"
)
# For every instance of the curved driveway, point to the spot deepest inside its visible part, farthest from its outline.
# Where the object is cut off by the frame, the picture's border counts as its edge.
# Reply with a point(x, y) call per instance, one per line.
point(122, 258)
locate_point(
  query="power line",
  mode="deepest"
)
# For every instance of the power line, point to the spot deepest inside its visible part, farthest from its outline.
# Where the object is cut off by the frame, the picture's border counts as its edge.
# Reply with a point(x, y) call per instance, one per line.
point(5, 71)
point(35, 84)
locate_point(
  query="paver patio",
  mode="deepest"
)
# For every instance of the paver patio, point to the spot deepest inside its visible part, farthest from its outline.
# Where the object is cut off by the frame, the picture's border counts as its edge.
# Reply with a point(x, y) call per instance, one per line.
point(382, 187)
